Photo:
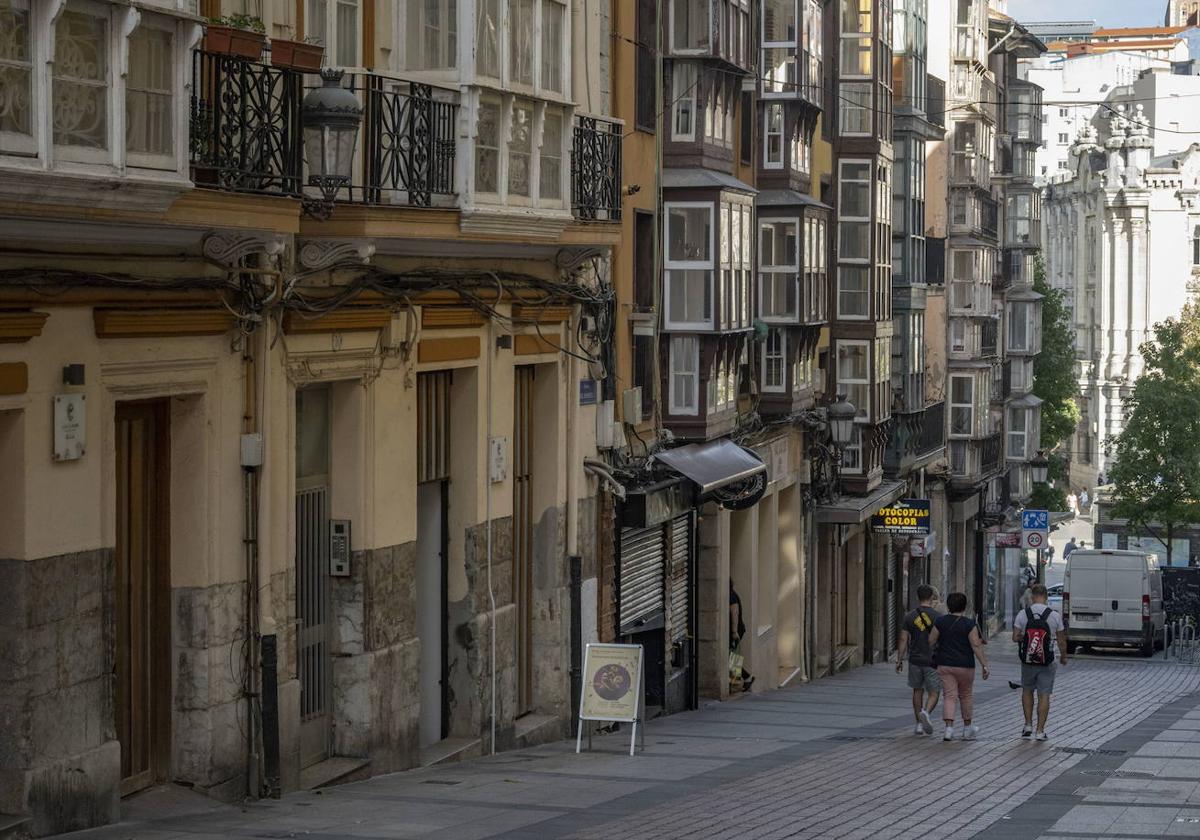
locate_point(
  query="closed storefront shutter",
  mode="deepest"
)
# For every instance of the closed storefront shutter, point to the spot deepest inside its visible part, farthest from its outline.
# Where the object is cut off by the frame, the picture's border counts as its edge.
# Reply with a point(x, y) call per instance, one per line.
point(678, 575)
point(641, 576)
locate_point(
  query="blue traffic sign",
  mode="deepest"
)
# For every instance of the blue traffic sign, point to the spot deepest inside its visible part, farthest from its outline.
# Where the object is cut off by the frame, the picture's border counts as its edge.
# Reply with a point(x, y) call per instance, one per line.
point(1035, 520)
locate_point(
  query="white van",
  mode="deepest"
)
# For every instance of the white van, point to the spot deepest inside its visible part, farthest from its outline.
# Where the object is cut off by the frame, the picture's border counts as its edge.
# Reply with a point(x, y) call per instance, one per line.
point(1113, 597)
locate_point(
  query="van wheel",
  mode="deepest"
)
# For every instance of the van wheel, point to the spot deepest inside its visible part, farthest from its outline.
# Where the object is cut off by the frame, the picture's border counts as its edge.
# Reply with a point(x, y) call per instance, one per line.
point(1148, 646)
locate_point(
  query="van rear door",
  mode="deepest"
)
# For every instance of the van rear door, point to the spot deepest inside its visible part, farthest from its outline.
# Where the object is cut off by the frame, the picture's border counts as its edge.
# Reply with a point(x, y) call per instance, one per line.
point(1126, 585)
point(1087, 573)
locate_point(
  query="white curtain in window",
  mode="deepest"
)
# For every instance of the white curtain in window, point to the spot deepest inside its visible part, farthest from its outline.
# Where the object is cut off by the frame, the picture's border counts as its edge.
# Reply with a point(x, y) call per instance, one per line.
point(520, 149)
point(553, 17)
point(347, 33)
point(149, 111)
point(520, 42)
point(550, 178)
point(487, 33)
point(80, 83)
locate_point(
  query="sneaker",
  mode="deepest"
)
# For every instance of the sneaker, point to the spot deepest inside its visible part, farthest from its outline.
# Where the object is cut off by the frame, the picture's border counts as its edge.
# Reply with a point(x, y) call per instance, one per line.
point(948, 735)
point(926, 724)
point(1026, 731)
point(918, 730)
point(970, 732)
point(1041, 736)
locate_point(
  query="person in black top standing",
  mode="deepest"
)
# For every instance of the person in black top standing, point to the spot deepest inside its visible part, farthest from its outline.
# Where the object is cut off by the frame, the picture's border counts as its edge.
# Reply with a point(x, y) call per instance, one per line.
point(956, 644)
point(914, 645)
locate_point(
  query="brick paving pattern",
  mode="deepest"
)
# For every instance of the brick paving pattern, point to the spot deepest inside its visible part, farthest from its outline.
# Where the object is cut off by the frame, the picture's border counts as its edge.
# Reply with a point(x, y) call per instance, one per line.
point(835, 759)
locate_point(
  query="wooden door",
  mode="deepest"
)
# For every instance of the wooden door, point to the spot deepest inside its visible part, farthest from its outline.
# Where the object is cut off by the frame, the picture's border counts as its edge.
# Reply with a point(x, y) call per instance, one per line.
point(143, 581)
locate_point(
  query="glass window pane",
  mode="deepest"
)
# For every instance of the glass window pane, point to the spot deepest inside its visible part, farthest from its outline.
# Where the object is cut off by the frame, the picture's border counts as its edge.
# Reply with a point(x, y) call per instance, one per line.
point(550, 179)
point(689, 236)
point(149, 114)
point(520, 41)
point(316, 22)
point(552, 44)
point(487, 35)
point(432, 35)
point(16, 73)
point(80, 83)
point(487, 148)
point(520, 148)
point(779, 20)
point(347, 33)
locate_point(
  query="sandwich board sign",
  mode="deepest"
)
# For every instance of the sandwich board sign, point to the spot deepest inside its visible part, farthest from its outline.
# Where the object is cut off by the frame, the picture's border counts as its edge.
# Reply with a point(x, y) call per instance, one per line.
point(612, 688)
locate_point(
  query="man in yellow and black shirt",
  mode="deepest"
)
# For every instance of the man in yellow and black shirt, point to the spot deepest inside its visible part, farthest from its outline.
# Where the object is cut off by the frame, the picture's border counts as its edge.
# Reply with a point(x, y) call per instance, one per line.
point(914, 645)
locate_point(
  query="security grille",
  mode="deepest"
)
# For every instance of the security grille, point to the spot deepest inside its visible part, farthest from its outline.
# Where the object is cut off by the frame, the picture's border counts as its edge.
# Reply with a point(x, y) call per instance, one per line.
point(681, 559)
point(641, 576)
point(433, 426)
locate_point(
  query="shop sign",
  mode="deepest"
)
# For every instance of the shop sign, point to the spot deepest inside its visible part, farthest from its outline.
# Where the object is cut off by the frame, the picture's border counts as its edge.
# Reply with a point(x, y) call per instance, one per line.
point(1008, 539)
point(906, 516)
point(612, 687)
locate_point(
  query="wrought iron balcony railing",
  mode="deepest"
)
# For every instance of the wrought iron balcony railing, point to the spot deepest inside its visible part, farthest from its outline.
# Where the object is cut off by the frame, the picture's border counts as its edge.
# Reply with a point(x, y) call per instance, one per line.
point(915, 435)
point(596, 170)
point(991, 453)
point(990, 217)
point(245, 126)
point(989, 332)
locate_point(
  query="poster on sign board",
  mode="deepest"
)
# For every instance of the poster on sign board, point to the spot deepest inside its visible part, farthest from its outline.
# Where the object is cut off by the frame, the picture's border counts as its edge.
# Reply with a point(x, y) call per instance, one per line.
point(612, 687)
point(906, 516)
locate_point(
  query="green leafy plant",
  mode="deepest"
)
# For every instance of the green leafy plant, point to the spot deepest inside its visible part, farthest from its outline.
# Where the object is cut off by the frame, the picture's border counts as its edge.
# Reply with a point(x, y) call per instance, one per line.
point(249, 23)
point(1055, 379)
point(1156, 469)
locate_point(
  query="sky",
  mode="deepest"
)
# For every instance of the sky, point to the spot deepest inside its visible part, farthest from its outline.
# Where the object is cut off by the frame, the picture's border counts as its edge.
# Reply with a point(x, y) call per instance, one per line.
point(1106, 13)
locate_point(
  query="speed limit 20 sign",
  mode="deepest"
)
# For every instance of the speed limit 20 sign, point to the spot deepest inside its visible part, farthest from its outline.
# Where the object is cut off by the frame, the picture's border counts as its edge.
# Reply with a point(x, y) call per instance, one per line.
point(1034, 539)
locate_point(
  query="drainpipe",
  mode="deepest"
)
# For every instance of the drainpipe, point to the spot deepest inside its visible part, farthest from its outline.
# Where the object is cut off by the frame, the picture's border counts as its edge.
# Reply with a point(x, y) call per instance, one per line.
point(487, 483)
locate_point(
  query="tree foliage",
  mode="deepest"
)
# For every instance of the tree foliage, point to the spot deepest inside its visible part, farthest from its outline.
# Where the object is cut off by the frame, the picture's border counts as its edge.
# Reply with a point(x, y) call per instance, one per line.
point(1156, 469)
point(1055, 379)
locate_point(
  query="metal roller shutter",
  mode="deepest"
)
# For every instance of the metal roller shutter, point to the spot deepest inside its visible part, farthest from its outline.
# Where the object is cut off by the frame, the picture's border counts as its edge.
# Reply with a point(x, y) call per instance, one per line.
point(678, 582)
point(641, 582)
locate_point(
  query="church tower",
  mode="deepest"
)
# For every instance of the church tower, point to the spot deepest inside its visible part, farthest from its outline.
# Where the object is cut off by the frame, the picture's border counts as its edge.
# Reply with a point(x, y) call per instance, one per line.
point(1182, 13)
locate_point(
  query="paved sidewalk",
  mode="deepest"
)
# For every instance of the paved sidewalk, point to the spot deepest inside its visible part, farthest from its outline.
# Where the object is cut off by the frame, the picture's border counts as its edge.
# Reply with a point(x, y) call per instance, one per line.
point(835, 759)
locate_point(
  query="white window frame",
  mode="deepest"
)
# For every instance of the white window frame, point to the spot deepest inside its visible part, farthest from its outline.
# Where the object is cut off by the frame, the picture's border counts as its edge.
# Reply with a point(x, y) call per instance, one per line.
point(415, 25)
point(771, 274)
point(331, 31)
point(854, 263)
point(773, 109)
point(116, 48)
point(563, 59)
point(689, 345)
point(863, 406)
point(675, 50)
point(969, 405)
point(1022, 310)
point(150, 161)
point(847, 106)
point(689, 265)
point(683, 97)
point(27, 145)
point(506, 104)
point(852, 461)
point(777, 353)
point(1012, 434)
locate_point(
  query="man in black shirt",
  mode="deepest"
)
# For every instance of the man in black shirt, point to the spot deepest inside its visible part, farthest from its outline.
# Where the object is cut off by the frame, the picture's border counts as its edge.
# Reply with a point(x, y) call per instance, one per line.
point(914, 645)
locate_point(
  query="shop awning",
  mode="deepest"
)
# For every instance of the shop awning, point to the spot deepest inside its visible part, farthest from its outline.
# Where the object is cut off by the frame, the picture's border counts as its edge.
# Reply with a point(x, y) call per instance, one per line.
point(854, 510)
point(713, 465)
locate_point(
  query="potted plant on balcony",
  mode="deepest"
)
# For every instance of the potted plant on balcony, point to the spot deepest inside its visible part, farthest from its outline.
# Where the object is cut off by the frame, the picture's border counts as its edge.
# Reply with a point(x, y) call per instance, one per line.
point(242, 36)
point(303, 55)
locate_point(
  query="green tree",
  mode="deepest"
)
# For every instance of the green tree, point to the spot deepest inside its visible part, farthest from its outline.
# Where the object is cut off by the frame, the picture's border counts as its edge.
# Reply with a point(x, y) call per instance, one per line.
point(1156, 466)
point(1055, 379)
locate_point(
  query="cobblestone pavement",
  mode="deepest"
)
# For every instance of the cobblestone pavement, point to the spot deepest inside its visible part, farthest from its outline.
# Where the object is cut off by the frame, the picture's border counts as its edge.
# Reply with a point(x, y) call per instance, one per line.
point(835, 759)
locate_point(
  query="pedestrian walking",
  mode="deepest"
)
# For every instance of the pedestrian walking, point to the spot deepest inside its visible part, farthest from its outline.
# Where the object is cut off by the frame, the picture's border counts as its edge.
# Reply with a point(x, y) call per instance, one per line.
point(956, 645)
point(1050, 555)
point(914, 646)
point(1069, 547)
point(1083, 500)
point(1041, 640)
point(1073, 503)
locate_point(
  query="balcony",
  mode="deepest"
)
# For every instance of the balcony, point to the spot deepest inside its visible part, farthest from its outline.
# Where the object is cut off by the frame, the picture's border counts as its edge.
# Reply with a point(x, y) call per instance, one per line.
point(990, 100)
point(989, 221)
point(935, 93)
point(1002, 383)
point(917, 438)
point(989, 335)
point(935, 260)
point(974, 461)
point(969, 169)
point(246, 137)
point(596, 170)
point(991, 450)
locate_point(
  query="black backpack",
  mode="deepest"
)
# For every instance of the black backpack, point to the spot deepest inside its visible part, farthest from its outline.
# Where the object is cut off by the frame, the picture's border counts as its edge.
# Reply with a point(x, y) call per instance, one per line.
point(1037, 644)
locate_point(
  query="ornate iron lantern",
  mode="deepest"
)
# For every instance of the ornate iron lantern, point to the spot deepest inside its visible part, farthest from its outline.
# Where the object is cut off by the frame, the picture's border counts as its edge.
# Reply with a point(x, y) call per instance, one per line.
point(331, 116)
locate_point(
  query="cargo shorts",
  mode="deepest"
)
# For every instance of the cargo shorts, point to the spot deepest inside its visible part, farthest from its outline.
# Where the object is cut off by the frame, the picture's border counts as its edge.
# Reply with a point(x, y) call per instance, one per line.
point(1039, 678)
point(924, 677)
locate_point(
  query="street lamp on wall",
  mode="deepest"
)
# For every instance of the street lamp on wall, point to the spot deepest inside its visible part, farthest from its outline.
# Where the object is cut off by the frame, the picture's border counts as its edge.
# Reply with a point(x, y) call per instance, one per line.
point(331, 116)
point(841, 422)
point(833, 433)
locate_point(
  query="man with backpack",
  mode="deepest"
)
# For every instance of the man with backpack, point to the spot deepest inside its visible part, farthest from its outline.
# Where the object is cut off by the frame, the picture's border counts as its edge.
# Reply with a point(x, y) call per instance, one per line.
point(922, 676)
point(1041, 639)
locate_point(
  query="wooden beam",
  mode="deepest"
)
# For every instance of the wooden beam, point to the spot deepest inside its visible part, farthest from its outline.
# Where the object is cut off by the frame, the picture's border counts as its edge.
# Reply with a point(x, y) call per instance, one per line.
point(20, 325)
point(541, 314)
point(450, 317)
point(448, 349)
point(14, 378)
point(533, 345)
point(339, 320)
point(160, 323)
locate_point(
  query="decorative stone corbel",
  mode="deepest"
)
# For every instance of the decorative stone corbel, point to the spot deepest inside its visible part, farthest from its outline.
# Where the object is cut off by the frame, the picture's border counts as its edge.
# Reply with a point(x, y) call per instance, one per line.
point(229, 249)
point(316, 254)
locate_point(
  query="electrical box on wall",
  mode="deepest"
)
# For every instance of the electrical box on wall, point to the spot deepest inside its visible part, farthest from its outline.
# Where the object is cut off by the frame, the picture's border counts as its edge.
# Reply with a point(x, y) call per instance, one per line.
point(339, 547)
point(631, 406)
point(498, 459)
point(252, 450)
point(604, 425)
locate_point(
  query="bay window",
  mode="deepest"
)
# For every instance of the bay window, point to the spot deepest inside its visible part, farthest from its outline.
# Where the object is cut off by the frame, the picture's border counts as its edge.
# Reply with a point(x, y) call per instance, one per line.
point(1020, 445)
point(813, 49)
point(779, 265)
point(853, 291)
point(520, 42)
point(1024, 331)
point(779, 21)
point(779, 71)
point(684, 384)
point(691, 26)
point(962, 405)
point(336, 24)
point(527, 167)
point(854, 106)
point(16, 79)
point(854, 238)
point(431, 28)
point(773, 136)
point(689, 265)
point(815, 277)
point(80, 85)
point(507, 33)
point(854, 375)
point(852, 460)
point(774, 362)
point(801, 151)
point(149, 97)
point(736, 254)
point(684, 78)
point(487, 38)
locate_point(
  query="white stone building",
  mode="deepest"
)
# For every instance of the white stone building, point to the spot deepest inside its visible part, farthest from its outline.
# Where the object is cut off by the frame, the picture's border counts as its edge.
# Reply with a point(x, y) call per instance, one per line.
point(1123, 241)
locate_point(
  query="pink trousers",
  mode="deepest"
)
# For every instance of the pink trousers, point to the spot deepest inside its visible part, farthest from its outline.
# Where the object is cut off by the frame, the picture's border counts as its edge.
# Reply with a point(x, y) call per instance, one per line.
point(958, 688)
